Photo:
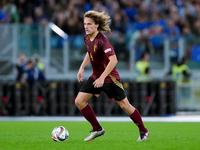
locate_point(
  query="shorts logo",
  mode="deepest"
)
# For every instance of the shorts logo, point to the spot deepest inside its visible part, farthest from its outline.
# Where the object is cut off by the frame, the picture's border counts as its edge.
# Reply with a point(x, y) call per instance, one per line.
point(107, 50)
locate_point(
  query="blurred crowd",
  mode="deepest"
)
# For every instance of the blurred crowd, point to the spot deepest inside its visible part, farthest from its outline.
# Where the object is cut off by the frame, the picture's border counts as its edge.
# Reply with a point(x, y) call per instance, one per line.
point(29, 71)
point(147, 22)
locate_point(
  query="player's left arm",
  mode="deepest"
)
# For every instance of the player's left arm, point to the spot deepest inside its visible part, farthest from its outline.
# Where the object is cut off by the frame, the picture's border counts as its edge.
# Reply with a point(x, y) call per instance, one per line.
point(111, 65)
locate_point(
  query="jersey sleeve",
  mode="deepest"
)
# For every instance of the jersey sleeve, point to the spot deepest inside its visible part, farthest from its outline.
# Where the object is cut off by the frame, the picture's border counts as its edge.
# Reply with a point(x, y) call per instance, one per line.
point(107, 47)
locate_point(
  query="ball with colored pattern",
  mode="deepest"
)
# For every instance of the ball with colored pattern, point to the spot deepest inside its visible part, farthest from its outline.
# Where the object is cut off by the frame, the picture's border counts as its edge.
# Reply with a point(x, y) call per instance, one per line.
point(60, 133)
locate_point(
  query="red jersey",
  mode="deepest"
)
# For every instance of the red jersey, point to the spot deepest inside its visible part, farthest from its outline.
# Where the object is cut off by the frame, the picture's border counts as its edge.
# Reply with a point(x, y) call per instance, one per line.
point(99, 50)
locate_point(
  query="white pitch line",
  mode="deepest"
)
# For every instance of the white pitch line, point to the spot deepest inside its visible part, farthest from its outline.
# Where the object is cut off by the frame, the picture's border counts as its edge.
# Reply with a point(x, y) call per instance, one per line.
point(191, 118)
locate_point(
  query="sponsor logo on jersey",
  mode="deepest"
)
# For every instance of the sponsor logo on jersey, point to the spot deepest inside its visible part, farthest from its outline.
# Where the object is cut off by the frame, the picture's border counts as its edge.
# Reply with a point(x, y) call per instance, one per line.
point(107, 50)
point(95, 47)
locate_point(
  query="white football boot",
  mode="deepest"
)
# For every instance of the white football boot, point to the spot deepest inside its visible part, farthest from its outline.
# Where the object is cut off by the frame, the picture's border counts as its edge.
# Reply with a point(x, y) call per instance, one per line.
point(143, 136)
point(94, 135)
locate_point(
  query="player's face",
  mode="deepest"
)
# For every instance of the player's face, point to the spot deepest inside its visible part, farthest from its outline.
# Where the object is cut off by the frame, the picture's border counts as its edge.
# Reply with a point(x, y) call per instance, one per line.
point(90, 26)
point(29, 65)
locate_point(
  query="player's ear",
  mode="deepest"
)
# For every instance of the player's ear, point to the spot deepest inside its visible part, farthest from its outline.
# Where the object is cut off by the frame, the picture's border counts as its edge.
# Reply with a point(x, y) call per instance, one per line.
point(97, 25)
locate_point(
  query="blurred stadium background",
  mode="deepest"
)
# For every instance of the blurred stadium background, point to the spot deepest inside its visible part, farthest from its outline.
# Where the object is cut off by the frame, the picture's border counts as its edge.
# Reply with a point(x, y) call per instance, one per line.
point(167, 29)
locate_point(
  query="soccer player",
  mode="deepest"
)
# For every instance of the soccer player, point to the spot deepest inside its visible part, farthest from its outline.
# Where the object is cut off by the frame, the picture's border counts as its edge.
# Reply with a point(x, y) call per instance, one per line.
point(105, 76)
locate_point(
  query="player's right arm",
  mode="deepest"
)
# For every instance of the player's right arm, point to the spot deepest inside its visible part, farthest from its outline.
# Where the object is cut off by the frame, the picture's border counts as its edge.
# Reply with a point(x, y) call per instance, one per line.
point(85, 62)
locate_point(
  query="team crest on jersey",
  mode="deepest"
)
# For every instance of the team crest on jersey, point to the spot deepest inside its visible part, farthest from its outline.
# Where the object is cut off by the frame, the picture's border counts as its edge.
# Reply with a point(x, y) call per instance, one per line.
point(95, 48)
point(87, 46)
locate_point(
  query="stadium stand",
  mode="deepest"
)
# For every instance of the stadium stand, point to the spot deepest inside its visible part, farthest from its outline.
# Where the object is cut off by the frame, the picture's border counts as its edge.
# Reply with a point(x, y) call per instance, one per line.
point(166, 29)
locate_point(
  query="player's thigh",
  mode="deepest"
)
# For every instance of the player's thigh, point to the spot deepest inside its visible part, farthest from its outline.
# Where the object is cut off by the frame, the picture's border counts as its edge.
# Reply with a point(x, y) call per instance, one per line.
point(82, 99)
point(114, 90)
point(88, 87)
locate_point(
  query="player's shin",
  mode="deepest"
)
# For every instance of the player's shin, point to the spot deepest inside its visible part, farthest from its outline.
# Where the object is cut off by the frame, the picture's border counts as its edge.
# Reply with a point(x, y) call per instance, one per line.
point(89, 115)
point(136, 118)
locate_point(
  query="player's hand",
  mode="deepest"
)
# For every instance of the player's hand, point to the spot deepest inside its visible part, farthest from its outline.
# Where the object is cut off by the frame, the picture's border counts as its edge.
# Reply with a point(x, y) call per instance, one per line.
point(80, 75)
point(98, 83)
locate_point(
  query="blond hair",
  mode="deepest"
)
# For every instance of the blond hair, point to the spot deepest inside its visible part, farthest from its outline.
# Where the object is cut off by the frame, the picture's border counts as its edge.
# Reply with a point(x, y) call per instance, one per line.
point(100, 18)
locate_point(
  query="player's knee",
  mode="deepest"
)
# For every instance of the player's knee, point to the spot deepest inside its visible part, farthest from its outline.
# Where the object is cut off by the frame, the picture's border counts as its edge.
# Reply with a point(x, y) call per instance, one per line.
point(123, 105)
point(79, 103)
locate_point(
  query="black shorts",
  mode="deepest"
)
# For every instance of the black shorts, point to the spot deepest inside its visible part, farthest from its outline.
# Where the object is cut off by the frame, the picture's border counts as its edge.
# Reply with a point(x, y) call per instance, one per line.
point(113, 90)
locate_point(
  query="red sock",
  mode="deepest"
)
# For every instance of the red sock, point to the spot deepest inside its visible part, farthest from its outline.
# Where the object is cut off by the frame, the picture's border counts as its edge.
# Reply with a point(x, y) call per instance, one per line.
point(89, 114)
point(135, 116)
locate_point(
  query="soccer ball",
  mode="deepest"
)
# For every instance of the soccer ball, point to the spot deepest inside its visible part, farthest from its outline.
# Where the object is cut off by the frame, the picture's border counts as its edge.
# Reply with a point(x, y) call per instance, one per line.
point(59, 134)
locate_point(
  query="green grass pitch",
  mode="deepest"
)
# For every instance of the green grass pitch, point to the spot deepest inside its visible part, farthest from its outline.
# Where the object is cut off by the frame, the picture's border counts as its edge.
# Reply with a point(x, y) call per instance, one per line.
point(118, 136)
